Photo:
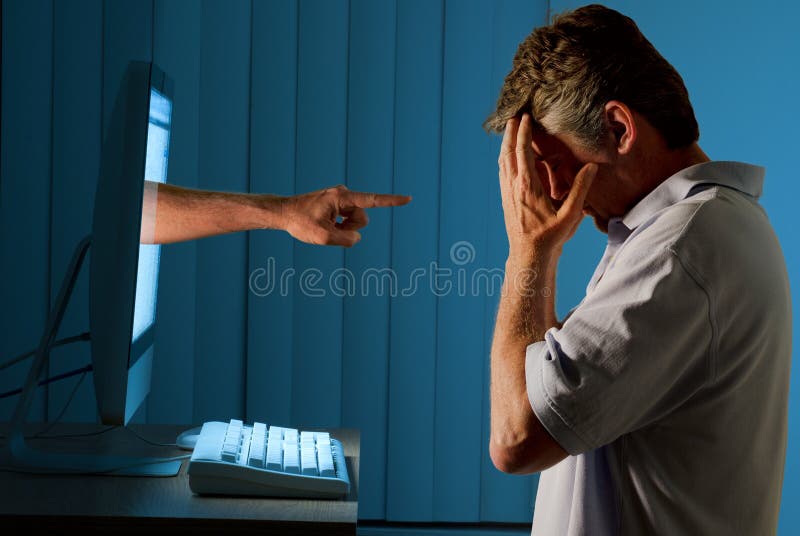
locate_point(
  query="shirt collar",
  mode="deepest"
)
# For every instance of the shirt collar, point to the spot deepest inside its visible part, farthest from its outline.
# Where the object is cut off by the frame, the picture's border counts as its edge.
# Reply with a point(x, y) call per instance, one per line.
point(743, 177)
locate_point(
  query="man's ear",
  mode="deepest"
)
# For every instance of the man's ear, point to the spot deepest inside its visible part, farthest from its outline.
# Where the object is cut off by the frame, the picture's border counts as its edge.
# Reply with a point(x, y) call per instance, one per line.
point(622, 126)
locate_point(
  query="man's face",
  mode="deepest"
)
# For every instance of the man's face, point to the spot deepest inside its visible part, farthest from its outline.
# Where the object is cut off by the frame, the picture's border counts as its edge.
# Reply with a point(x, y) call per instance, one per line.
point(559, 158)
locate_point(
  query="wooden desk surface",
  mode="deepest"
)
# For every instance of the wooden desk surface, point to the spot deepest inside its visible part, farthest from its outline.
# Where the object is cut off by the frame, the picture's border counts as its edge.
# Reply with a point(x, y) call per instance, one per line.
point(129, 504)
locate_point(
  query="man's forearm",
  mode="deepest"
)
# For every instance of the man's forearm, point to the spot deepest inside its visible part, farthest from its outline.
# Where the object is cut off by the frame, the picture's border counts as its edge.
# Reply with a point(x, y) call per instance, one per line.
point(525, 313)
point(173, 214)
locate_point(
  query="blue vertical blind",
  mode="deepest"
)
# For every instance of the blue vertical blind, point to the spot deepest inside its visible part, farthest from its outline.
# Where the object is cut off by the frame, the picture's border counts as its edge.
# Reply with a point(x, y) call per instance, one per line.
point(224, 127)
point(25, 214)
point(370, 166)
point(176, 49)
point(77, 78)
point(415, 239)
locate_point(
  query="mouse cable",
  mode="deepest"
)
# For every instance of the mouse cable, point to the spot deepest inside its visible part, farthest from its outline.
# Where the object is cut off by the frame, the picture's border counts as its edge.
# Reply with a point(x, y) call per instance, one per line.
point(57, 377)
point(134, 432)
point(40, 433)
point(61, 413)
point(67, 340)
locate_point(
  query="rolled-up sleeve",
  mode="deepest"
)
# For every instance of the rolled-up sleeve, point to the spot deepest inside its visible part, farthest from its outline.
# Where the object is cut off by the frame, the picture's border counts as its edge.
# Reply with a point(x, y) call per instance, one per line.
point(638, 346)
point(547, 412)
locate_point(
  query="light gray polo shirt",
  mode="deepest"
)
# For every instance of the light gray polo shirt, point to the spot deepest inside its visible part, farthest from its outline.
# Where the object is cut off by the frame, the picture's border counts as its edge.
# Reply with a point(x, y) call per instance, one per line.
point(668, 384)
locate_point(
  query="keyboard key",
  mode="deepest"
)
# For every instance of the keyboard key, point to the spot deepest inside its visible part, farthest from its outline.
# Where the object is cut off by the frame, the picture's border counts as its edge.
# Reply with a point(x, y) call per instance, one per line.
point(234, 430)
point(325, 456)
point(229, 453)
point(326, 465)
point(275, 455)
point(291, 463)
point(256, 456)
point(308, 458)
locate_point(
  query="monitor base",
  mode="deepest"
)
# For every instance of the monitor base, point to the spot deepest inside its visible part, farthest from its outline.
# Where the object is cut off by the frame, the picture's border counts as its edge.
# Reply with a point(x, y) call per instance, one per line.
point(18, 457)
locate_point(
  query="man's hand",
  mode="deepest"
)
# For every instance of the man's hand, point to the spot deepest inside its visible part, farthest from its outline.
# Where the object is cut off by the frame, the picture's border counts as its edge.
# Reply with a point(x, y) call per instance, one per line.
point(533, 224)
point(174, 213)
point(314, 217)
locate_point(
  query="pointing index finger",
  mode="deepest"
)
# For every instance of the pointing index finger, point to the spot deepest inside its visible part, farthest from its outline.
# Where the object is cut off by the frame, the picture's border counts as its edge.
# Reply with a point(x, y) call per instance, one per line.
point(372, 200)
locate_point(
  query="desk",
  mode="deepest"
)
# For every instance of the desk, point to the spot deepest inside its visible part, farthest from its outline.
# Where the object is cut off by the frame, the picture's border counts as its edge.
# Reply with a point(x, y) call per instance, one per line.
point(124, 504)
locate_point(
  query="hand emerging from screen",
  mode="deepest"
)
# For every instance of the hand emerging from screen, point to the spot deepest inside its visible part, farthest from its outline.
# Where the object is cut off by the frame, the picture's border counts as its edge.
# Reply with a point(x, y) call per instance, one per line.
point(332, 216)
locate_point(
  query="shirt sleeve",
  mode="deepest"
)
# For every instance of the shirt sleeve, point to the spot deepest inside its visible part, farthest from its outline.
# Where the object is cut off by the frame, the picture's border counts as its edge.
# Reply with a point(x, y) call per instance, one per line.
point(636, 348)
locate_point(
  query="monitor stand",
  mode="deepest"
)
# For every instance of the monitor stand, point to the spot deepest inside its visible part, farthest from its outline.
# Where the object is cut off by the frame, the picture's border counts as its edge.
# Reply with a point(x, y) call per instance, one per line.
point(16, 455)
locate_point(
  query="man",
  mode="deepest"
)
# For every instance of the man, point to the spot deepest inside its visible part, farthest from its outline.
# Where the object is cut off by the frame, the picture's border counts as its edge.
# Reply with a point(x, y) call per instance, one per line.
point(659, 405)
point(331, 216)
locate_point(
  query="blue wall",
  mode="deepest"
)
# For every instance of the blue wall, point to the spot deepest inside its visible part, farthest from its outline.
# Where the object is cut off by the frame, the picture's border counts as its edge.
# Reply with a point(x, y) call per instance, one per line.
point(283, 97)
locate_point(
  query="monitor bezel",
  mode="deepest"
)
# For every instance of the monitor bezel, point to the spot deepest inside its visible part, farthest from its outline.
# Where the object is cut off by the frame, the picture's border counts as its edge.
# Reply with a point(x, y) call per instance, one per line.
point(122, 372)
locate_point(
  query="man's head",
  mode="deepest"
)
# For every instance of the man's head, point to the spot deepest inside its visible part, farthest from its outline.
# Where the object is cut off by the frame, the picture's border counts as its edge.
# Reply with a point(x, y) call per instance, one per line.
point(597, 90)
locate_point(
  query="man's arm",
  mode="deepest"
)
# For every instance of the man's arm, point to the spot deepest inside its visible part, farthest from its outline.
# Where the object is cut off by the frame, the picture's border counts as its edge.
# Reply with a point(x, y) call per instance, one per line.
point(536, 234)
point(519, 443)
point(331, 216)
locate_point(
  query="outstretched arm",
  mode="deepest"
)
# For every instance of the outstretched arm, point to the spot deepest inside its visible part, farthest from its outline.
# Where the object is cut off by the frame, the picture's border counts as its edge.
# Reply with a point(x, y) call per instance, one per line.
point(331, 216)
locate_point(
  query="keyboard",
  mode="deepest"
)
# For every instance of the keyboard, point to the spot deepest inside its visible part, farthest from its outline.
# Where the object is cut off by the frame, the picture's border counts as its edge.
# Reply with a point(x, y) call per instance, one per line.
point(235, 458)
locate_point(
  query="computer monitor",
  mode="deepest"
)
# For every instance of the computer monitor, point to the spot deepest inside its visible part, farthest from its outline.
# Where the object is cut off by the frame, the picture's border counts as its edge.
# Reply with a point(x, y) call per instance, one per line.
point(123, 282)
point(124, 273)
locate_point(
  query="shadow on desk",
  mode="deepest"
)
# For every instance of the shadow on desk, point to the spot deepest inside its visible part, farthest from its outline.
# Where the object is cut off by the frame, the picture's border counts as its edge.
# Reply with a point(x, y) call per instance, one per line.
point(125, 504)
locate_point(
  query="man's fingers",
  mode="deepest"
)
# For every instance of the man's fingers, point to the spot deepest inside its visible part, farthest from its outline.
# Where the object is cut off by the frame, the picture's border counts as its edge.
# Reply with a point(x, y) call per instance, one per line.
point(371, 200)
point(580, 187)
point(523, 152)
point(343, 237)
point(355, 218)
point(507, 158)
point(510, 136)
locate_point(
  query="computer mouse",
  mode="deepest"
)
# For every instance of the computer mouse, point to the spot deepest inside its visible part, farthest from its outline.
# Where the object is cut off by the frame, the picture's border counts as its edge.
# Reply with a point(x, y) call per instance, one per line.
point(187, 439)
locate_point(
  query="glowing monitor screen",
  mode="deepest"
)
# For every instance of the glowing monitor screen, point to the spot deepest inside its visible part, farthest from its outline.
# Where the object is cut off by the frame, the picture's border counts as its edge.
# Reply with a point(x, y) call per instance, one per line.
point(155, 170)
